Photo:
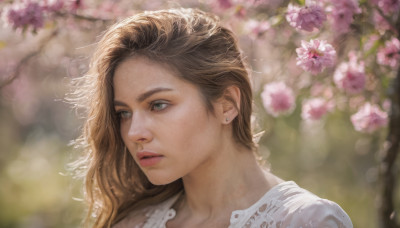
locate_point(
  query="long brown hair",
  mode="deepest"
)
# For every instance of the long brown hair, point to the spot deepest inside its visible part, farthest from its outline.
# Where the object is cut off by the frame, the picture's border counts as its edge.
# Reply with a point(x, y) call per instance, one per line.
point(202, 52)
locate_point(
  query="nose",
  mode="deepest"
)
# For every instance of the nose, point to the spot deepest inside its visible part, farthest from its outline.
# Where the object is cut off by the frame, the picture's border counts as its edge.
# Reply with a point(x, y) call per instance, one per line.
point(138, 130)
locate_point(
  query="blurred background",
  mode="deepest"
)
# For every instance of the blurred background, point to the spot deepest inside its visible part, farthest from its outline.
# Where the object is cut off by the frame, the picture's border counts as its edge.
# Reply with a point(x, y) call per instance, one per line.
point(37, 125)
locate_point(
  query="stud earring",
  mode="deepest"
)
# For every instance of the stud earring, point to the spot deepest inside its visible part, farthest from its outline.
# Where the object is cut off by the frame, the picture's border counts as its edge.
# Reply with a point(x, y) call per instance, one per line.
point(227, 119)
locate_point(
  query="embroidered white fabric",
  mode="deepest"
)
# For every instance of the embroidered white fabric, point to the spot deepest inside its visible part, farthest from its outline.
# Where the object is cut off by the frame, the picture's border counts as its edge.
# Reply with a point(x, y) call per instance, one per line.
point(286, 205)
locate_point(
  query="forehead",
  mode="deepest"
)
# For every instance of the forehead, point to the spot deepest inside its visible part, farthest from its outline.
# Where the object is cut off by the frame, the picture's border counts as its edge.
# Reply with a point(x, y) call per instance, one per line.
point(138, 74)
point(141, 69)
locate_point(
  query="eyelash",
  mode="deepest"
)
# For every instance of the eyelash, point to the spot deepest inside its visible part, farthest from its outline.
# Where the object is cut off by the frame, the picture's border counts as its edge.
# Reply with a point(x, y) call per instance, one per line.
point(158, 102)
point(121, 114)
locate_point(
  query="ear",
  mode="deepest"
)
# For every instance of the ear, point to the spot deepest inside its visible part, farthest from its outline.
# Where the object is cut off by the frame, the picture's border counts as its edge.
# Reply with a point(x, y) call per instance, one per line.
point(230, 104)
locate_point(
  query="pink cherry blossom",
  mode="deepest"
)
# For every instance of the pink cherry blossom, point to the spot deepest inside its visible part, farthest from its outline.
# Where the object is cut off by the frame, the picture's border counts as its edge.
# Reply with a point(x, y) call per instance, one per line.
point(387, 6)
point(25, 15)
point(278, 99)
point(350, 76)
point(342, 14)
point(306, 18)
point(313, 109)
point(390, 54)
point(369, 118)
point(315, 55)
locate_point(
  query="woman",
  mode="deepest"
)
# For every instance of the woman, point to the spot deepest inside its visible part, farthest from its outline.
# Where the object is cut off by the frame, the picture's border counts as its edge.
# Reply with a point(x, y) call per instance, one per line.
point(168, 134)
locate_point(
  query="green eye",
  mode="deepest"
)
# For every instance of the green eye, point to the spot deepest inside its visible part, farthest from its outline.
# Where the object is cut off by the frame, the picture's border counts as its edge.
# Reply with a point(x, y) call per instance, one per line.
point(124, 114)
point(158, 106)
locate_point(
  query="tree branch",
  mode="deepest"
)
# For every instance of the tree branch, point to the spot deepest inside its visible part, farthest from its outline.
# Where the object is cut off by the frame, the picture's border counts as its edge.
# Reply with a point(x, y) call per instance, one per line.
point(388, 158)
point(15, 73)
point(82, 17)
point(387, 170)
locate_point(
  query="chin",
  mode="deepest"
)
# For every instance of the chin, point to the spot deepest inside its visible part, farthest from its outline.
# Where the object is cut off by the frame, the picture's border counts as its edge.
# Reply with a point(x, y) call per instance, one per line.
point(160, 179)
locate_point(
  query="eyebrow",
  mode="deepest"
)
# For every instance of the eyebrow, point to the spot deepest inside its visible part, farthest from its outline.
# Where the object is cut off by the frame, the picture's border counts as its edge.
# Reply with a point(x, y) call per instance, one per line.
point(149, 93)
point(144, 96)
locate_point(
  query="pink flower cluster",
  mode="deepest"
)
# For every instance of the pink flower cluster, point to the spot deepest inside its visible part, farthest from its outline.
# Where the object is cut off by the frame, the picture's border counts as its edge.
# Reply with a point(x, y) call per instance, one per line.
point(306, 18)
point(369, 118)
point(342, 14)
point(387, 6)
point(26, 14)
point(278, 99)
point(390, 54)
point(315, 55)
point(313, 109)
point(350, 76)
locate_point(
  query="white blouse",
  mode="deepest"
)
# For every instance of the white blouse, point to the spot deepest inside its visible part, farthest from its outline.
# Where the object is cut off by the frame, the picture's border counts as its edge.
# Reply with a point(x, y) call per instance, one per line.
point(286, 205)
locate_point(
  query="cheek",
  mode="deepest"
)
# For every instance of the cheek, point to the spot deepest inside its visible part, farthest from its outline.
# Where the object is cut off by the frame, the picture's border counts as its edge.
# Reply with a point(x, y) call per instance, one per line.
point(189, 118)
point(193, 128)
point(123, 131)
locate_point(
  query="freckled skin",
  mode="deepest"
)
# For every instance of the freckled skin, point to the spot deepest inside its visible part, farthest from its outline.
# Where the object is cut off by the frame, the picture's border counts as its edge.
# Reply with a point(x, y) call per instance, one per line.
point(179, 127)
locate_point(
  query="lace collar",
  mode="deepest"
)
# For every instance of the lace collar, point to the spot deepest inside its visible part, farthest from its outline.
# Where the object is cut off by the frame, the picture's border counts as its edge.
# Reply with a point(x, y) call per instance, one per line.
point(241, 215)
point(237, 215)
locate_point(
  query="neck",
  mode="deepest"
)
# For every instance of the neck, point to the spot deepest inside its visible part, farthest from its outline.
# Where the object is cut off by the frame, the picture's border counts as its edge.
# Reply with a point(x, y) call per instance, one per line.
point(228, 181)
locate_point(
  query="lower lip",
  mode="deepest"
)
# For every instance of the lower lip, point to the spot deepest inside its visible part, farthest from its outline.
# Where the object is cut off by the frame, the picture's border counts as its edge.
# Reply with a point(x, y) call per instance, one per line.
point(146, 162)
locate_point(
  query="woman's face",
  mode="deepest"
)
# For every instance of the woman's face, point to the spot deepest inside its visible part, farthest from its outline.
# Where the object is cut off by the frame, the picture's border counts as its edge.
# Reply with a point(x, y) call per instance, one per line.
point(164, 121)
